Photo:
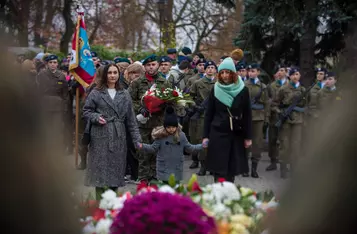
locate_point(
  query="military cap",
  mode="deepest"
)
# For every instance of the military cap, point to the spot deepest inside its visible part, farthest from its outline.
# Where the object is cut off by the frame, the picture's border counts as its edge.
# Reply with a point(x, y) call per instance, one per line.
point(293, 70)
point(150, 59)
point(281, 66)
point(165, 59)
point(51, 57)
point(201, 60)
point(121, 60)
point(171, 51)
point(186, 50)
point(210, 63)
point(253, 66)
point(331, 74)
point(104, 63)
point(241, 66)
point(94, 54)
point(321, 69)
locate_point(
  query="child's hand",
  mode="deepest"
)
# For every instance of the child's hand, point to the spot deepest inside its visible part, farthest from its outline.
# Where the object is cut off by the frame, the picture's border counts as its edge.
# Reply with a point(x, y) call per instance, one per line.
point(139, 145)
point(205, 143)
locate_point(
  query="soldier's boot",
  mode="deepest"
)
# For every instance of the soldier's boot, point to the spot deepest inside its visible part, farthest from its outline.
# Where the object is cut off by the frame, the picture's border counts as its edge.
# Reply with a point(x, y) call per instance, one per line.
point(272, 167)
point(202, 171)
point(194, 165)
point(254, 172)
point(283, 171)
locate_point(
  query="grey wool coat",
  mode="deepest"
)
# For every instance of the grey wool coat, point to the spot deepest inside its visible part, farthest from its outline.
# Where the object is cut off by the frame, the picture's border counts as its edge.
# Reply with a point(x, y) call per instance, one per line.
point(107, 148)
point(169, 150)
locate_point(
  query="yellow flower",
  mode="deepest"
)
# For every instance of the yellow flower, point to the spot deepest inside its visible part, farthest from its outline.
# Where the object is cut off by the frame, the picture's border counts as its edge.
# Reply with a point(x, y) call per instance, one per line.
point(238, 228)
point(242, 219)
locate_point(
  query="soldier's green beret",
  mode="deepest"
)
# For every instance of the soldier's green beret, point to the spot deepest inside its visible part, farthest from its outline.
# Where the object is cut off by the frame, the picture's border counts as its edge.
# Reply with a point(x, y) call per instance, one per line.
point(121, 60)
point(150, 59)
point(51, 57)
point(254, 66)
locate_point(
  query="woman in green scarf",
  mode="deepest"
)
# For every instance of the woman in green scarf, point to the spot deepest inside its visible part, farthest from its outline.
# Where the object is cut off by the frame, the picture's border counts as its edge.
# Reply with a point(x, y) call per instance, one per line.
point(228, 124)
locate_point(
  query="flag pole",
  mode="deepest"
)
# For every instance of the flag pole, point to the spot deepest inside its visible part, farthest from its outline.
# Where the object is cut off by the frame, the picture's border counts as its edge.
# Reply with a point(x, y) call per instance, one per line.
point(77, 128)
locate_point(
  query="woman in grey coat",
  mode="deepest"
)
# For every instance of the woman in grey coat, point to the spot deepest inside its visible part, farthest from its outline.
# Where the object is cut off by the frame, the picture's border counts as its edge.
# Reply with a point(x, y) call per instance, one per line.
point(109, 110)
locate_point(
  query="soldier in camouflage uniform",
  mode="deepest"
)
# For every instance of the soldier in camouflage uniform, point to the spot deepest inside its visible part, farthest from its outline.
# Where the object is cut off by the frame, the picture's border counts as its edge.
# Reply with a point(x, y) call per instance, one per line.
point(199, 91)
point(137, 89)
point(259, 100)
point(328, 94)
point(273, 113)
point(56, 103)
point(200, 73)
point(165, 64)
point(291, 130)
point(242, 71)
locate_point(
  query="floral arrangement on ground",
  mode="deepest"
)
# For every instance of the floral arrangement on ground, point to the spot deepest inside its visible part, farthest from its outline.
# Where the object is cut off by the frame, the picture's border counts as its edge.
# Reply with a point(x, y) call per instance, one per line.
point(219, 208)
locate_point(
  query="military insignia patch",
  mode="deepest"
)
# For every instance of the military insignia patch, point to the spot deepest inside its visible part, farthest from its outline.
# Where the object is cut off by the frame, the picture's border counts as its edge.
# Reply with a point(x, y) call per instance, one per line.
point(59, 82)
point(338, 98)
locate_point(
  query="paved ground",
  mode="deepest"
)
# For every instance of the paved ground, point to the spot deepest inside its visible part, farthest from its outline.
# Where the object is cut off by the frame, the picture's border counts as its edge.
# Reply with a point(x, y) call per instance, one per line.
point(267, 180)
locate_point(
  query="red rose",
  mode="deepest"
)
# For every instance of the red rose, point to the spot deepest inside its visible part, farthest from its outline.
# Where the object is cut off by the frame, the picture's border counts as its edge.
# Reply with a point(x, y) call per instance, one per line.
point(196, 187)
point(98, 214)
point(162, 89)
point(221, 180)
point(143, 184)
point(175, 93)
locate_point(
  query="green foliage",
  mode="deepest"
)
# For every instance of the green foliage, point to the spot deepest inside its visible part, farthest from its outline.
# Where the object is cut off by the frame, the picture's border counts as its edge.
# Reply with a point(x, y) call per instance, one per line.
point(272, 29)
point(106, 53)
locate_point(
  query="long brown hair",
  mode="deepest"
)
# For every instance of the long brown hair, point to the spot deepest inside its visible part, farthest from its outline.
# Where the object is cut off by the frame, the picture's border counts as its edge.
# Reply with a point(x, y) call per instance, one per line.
point(102, 83)
point(232, 75)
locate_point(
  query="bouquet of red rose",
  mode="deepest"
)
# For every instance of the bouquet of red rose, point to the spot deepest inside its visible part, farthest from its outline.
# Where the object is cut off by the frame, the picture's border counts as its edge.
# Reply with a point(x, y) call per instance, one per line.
point(155, 97)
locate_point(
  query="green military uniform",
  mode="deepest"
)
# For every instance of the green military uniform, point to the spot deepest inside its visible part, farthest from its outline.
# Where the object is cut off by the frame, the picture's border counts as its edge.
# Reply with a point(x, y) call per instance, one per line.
point(291, 130)
point(325, 98)
point(188, 75)
point(260, 101)
point(137, 89)
point(54, 89)
point(192, 80)
point(199, 91)
point(272, 112)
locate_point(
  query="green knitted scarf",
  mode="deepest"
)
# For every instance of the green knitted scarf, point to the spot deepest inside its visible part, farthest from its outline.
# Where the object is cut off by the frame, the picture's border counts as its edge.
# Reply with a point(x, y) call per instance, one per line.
point(227, 93)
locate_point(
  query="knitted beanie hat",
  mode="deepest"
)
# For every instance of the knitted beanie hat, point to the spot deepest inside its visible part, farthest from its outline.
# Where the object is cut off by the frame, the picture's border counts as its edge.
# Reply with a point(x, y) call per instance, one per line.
point(227, 64)
point(170, 119)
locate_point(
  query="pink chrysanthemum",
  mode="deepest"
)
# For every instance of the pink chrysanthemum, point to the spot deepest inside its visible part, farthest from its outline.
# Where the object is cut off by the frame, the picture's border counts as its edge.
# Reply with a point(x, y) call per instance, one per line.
point(159, 213)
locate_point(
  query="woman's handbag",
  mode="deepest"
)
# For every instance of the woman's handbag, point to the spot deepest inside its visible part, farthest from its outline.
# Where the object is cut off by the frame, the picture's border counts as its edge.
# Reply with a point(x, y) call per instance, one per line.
point(86, 134)
point(235, 122)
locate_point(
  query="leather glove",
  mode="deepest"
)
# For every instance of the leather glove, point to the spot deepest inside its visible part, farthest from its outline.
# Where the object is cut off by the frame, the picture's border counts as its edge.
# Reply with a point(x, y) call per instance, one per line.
point(265, 129)
point(145, 112)
point(199, 108)
point(190, 112)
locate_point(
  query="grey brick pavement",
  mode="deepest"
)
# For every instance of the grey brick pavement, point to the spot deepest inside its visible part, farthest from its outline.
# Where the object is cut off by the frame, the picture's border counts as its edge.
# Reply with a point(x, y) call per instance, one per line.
point(267, 180)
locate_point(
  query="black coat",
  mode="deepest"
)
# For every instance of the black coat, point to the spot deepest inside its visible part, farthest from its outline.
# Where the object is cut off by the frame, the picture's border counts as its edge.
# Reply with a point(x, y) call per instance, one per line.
point(226, 154)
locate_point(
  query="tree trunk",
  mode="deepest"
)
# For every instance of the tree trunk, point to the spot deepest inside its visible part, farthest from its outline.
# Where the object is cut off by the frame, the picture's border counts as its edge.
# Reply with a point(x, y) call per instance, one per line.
point(37, 28)
point(23, 29)
point(307, 45)
point(66, 38)
point(169, 35)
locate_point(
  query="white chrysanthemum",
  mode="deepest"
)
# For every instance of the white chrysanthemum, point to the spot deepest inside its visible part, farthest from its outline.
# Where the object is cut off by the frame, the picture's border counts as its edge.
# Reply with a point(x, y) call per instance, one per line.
point(220, 210)
point(224, 192)
point(103, 226)
point(89, 229)
point(109, 198)
point(166, 189)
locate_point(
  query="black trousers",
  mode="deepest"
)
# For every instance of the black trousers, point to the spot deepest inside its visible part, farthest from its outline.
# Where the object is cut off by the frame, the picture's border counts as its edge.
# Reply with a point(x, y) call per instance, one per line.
point(132, 163)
